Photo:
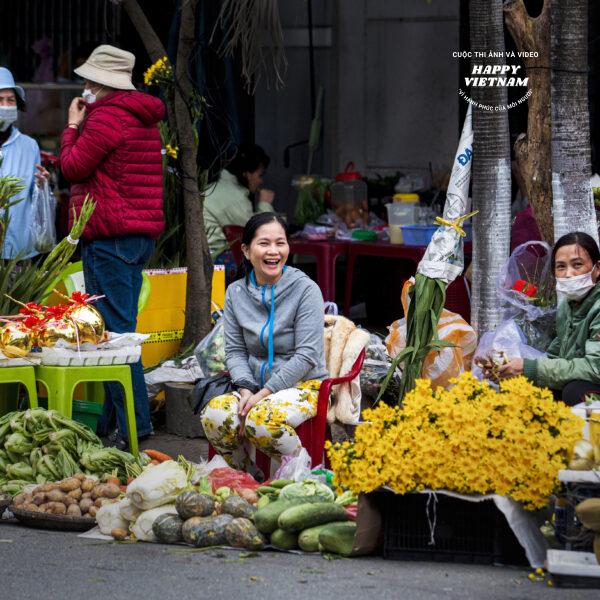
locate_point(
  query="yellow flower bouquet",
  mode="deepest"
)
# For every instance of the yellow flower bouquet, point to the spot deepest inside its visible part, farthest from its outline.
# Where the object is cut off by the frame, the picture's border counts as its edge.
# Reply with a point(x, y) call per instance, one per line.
point(469, 439)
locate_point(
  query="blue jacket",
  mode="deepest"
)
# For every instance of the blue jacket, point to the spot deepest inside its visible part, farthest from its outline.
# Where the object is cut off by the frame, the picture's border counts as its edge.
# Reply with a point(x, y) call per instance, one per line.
point(20, 153)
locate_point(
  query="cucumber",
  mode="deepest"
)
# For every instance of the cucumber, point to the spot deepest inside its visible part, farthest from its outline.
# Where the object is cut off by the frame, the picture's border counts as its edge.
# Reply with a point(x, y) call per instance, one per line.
point(281, 483)
point(305, 516)
point(266, 517)
point(308, 540)
point(338, 538)
point(267, 490)
point(284, 540)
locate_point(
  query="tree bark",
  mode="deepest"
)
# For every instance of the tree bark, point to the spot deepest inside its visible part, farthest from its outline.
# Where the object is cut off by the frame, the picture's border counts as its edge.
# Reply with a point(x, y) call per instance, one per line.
point(533, 149)
point(199, 263)
point(573, 201)
point(491, 183)
point(200, 266)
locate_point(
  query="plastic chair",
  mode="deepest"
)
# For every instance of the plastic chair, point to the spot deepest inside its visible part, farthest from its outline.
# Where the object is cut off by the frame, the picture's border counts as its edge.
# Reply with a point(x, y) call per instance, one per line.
point(233, 235)
point(25, 375)
point(312, 433)
point(60, 383)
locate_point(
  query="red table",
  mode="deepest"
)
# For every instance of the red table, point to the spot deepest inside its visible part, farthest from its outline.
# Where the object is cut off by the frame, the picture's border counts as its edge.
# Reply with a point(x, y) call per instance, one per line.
point(382, 249)
point(326, 253)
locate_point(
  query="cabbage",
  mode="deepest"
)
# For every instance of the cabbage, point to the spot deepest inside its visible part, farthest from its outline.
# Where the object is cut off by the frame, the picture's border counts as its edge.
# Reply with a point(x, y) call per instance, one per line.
point(157, 485)
point(129, 511)
point(308, 490)
point(142, 528)
point(109, 517)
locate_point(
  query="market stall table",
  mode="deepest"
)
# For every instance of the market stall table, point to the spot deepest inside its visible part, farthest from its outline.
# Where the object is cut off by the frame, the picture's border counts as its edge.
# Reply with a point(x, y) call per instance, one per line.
point(384, 250)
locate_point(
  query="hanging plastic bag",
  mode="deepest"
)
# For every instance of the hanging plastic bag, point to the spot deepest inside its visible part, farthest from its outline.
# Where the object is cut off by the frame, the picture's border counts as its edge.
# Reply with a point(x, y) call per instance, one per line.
point(296, 468)
point(526, 292)
point(43, 217)
point(506, 342)
point(210, 352)
point(439, 365)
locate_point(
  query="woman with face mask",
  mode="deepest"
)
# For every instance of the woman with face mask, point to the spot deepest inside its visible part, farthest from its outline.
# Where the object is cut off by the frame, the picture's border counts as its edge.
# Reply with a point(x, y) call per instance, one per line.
point(111, 151)
point(572, 366)
point(19, 157)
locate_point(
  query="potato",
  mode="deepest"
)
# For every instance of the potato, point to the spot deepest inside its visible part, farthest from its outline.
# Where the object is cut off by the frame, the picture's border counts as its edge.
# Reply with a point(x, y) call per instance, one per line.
point(68, 501)
point(80, 476)
point(55, 496)
point(75, 493)
point(249, 495)
point(86, 495)
point(70, 484)
point(30, 507)
point(74, 510)
point(21, 499)
point(87, 485)
point(92, 511)
point(106, 490)
point(43, 507)
point(39, 499)
point(119, 534)
point(88, 516)
point(56, 508)
point(46, 487)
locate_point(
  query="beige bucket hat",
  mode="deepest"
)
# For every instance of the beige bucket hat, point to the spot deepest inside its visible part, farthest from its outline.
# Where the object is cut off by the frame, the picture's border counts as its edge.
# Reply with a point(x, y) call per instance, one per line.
point(109, 66)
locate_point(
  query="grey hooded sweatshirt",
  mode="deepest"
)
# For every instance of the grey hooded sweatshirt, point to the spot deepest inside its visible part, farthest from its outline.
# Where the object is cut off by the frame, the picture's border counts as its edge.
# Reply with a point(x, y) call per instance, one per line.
point(292, 328)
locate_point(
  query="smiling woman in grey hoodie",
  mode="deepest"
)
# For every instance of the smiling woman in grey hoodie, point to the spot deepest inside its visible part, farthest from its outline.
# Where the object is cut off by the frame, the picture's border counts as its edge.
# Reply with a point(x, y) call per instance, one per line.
point(274, 351)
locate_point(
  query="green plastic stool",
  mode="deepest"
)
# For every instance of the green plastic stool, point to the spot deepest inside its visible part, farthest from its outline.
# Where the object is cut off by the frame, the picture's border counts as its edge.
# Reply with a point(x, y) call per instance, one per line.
point(60, 383)
point(24, 375)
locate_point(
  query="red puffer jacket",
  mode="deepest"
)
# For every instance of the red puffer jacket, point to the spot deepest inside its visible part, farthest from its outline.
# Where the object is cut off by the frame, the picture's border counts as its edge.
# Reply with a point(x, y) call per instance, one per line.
point(116, 158)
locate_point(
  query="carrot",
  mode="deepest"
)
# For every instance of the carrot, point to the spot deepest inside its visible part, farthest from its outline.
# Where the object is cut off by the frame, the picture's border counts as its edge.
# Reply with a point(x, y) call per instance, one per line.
point(114, 480)
point(154, 462)
point(156, 455)
point(129, 480)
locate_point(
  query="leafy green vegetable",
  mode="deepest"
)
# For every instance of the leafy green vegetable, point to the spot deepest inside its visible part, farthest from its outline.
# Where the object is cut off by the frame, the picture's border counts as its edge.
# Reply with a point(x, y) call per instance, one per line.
point(308, 490)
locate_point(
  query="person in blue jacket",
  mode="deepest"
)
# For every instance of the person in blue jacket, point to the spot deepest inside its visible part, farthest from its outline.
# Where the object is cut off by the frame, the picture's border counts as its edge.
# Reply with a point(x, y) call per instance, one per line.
point(19, 157)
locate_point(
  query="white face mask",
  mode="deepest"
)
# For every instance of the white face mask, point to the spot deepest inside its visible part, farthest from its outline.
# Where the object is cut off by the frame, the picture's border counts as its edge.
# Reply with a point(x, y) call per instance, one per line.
point(574, 288)
point(89, 96)
point(8, 115)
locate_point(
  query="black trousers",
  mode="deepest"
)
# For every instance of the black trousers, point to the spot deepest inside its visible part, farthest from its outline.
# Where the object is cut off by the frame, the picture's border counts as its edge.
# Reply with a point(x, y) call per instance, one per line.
point(575, 391)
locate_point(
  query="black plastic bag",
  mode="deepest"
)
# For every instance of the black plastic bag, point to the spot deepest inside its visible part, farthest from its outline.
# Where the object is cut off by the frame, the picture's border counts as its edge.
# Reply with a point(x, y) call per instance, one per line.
point(210, 387)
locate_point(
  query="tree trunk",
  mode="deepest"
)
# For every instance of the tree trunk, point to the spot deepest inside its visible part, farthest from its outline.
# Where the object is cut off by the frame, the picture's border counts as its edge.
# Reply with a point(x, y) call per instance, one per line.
point(533, 149)
point(491, 170)
point(571, 154)
point(199, 263)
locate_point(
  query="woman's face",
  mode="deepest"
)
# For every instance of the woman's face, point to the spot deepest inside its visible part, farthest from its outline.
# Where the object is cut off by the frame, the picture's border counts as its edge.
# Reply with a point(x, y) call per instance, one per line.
point(573, 260)
point(255, 179)
point(268, 252)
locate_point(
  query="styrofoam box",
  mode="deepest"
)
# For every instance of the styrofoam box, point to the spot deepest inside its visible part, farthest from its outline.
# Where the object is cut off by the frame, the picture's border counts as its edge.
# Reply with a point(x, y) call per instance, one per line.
point(569, 562)
point(62, 357)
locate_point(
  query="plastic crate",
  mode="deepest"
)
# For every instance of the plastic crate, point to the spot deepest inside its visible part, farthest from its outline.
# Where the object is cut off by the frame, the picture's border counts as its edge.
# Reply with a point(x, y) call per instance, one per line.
point(464, 532)
point(420, 235)
point(87, 413)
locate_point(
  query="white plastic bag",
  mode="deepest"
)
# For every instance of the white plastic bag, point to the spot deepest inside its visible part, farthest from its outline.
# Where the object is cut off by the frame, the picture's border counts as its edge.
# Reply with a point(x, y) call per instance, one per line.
point(507, 341)
point(210, 352)
point(296, 468)
point(43, 217)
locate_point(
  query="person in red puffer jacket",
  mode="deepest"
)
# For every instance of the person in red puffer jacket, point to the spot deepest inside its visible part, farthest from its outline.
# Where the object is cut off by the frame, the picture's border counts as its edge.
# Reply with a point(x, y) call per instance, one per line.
point(111, 150)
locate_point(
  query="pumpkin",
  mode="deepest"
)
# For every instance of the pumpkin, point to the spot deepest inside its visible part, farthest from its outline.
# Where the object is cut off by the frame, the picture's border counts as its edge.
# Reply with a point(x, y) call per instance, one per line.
point(242, 533)
point(167, 528)
point(192, 504)
point(206, 531)
point(238, 507)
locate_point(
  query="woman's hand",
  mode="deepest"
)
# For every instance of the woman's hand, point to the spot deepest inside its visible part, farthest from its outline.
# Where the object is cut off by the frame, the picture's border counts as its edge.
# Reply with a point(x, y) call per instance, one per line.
point(512, 368)
point(76, 111)
point(247, 402)
point(267, 196)
point(41, 176)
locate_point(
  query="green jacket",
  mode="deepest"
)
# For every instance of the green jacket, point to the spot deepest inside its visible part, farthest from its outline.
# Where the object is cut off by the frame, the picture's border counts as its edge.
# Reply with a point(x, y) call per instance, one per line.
point(575, 352)
point(227, 203)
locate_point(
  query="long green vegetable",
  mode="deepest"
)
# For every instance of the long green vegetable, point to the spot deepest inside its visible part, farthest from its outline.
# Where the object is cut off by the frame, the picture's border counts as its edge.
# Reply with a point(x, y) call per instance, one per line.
point(427, 298)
